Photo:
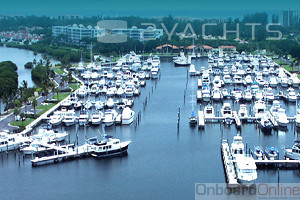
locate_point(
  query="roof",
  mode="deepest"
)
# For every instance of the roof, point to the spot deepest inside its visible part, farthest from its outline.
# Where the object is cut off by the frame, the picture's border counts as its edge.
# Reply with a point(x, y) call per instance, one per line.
point(227, 47)
point(206, 47)
point(167, 45)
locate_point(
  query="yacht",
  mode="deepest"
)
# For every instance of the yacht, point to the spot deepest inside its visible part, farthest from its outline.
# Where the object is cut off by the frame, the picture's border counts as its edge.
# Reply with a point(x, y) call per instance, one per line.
point(82, 92)
point(265, 124)
point(56, 118)
point(110, 116)
point(206, 94)
point(33, 147)
point(244, 164)
point(226, 112)
point(97, 118)
point(217, 82)
point(48, 135)
point(99, 105)
point(110, 92)
point(243, 112)
point(205, 79)
point(109, 147)
point(181, 61)
point(129, 91)
point(155, 61)
point(237, 94)
point(273, 81)
point(282, 118)
point(272, 153)
point(94, 89)
point(247, 95)
point(127, 116)
point(217, 95)
point(284, 82)
point(237, 79)
point(294, 152)
point(11, 141)
point(258, 153)
point(269, 96)
point(274, 109)
point(259, 95)
point(83, 118)
point(110, 103)
point(209, 112)
point(259, 109)
point(69, 118)
point(291, 95)
point(248, 79)
point(225, 93)
point(227, 79)
point(295, 80)
point(154, 72)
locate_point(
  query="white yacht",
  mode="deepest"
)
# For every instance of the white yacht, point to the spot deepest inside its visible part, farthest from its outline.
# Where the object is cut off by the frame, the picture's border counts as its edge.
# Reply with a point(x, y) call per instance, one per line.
point(127, 116)
point(244, 164)
point(294, 152)
point(129, 91)
point(33, 147)
point(259, 109)
point(273, 81)
point(94, 89)
point(83, 118)
point(217, 95)
point(97, 118)
point(291, 95)
point(69, 118)
point(109, 147)
point(284, 81)
point(56, 118)
point(282, 118)
point(110, 103)
point(49, 135)
point(206, 94)
point(272, 153)
point(154, 72)
point(243, 112)
point(182, 61)
point(248, 95)
point(259, 95)
point(269, 95)
point(248, 79)
point(110, 116)
point(295, 80)
point(99, 105)
point(217, 82)
point(11, 141)
point(237, 79)
point(227, 79)
point(274, 109)
point(258, 153)
point(226, 112)
point(209, 112)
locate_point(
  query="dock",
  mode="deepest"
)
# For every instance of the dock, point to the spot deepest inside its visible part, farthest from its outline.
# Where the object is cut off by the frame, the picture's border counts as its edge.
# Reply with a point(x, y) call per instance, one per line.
point(69, 153)
point(272, 119)
point(278, 163)
point(201, 121)
point(237, 119)
point(229, 169)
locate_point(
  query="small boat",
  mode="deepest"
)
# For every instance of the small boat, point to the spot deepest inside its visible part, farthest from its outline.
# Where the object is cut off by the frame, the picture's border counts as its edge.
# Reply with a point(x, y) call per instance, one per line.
point(193, 119)
point(294, 152)
point(182, 61)
point(205, 94)
point(259, 109)
point(269, 96)
point(69, 118)
point(56, 118)
point(154, 72)
point(110, 103)
point(258, 153)
point(217, 95)
point(248, 95)
point(225, 93)
point(272, 153)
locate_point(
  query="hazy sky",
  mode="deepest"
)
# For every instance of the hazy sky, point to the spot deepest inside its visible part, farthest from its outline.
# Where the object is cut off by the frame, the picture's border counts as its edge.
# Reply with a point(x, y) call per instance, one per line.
point(135, 7)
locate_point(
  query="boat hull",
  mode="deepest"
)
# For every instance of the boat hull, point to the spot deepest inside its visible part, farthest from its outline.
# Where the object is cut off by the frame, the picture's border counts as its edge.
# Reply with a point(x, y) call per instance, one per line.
point(111, 153)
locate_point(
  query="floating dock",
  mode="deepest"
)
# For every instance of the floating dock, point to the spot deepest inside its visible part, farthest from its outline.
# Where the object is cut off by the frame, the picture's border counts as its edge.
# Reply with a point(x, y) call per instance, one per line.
point(237, 119)
point(68, 154)
point(278, 163)
point(229, 169)
point(201, 121)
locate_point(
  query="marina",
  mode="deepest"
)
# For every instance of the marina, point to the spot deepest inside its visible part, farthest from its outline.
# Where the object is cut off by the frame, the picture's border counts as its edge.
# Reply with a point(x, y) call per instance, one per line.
point(158, 120)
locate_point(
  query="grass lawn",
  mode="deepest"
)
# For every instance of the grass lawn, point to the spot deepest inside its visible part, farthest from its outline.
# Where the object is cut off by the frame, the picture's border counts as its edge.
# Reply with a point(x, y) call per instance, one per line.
point(19, 123)
point(44, 109)
point(279, 62)
point(58, 70)
point(61, 96)
point(75, 86)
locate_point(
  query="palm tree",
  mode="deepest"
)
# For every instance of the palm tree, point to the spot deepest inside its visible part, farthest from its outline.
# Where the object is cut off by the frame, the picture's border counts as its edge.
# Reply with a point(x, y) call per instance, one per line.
point(25, 100)
point(23, 117)
point(34, 104)
point(16, 111)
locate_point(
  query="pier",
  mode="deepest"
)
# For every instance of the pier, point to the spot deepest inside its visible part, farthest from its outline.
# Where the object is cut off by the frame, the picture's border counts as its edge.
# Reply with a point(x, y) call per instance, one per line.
point(201, 121)
point(229, 169)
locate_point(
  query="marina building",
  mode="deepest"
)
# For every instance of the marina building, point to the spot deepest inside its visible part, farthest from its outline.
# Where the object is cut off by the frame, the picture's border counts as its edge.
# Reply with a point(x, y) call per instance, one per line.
point(290, 18)
point(76, 33)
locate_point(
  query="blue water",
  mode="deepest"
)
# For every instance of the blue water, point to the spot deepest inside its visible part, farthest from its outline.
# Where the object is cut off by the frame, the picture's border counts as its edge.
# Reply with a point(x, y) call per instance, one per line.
point(162, 162)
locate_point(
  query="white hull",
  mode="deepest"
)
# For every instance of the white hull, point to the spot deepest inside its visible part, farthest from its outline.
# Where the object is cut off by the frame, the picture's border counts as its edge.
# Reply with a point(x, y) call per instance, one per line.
point(9, 147)
point(69, 123)
point(127, 121)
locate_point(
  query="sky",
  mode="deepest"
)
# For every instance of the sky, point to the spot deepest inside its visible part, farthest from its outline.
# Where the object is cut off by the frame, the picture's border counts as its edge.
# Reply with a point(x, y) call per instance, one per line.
point(139, 7)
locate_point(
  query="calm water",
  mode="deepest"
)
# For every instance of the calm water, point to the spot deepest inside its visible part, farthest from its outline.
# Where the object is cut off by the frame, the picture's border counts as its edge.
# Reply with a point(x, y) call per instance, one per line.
point(20, 57)
point(162, 163)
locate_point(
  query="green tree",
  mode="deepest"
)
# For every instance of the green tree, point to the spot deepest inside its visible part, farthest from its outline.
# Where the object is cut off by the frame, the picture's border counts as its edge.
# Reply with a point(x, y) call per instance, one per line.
point(23, 118)
point(16, 111)
point(34, 104)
